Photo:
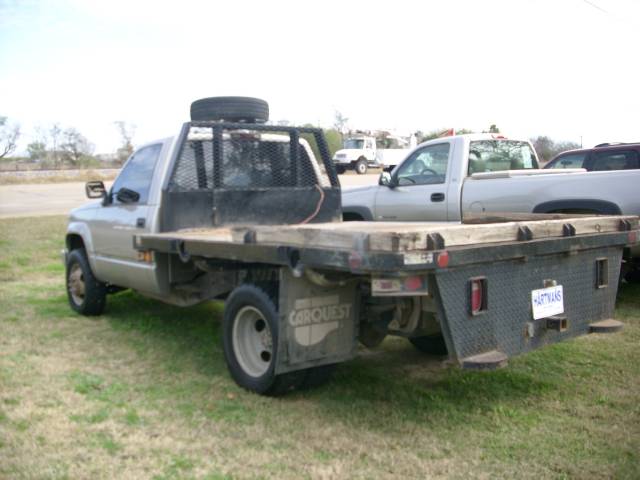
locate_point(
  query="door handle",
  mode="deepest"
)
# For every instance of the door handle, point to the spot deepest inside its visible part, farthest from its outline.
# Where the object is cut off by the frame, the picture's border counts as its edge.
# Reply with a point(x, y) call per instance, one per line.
point(437, 197)
point(140, 222)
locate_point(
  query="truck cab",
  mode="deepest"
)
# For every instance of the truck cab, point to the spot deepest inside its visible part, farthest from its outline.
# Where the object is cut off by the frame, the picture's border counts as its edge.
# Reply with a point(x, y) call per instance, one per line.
point(193, 180)
point(428, 184)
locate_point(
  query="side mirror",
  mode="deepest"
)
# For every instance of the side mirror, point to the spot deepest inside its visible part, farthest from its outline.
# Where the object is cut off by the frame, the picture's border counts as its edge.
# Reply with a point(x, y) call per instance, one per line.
point(95, 189)
point(385, 180)
point(126, 195)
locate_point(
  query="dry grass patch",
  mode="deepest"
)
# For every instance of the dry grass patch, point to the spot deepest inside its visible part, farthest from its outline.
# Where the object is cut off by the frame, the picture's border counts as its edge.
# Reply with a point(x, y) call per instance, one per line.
point(143, 392)
point(60, 177)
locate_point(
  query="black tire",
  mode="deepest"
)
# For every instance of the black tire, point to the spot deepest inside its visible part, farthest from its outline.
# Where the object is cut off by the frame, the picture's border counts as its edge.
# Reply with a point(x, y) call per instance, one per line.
point(230, 109)
point(361, 166)
point(317, 376)
point(87, 295)
point(243, 303)
point(431, 344)
point(632, 276)
point(340, 169)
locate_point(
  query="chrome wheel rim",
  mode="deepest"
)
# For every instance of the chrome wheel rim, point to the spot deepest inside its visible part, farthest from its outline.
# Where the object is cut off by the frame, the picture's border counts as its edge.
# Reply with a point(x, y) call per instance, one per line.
point(252, 341)
point(76, 284)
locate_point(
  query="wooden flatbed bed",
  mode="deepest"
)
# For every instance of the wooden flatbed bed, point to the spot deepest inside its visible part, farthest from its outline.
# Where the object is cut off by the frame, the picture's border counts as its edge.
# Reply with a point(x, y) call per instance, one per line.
point(409, 244)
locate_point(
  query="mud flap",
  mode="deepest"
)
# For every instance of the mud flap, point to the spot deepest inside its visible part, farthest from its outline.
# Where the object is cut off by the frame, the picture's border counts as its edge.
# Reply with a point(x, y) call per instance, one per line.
point(317, 323)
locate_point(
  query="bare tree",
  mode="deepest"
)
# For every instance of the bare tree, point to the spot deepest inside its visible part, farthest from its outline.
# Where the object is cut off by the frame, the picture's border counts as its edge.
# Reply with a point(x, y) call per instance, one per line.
point(340, 122)
point(37, 149)
point(9, 134)
point(126, 131)
point(546, 148)
point(55, 131)
point(75, 146)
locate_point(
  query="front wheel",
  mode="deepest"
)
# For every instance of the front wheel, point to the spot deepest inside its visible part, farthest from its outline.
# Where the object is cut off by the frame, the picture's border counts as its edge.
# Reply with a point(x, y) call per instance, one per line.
point(87, 295)
point(250, 341)
point(361, 166)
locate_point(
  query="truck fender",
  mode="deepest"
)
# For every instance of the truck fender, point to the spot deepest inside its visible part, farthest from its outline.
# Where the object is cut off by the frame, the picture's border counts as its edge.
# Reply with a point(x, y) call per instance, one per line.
point(78, 232)
point(588, 205)
point(357, 213)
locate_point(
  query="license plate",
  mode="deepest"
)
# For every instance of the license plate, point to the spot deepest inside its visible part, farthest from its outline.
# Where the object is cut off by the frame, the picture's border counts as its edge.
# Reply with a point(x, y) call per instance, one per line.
point(547, 302)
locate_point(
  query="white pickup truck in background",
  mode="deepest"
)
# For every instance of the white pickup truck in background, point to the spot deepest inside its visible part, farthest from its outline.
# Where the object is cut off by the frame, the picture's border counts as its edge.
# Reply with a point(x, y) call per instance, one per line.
point(449, 178)
point(363, 151)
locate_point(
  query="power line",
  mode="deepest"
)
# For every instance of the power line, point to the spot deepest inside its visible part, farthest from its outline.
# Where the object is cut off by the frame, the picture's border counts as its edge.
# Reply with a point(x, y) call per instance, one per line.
point(597, 7)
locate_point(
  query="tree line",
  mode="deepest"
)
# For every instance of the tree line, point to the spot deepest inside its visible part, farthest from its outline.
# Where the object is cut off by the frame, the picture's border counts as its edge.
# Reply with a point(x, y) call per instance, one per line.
point(56, 146)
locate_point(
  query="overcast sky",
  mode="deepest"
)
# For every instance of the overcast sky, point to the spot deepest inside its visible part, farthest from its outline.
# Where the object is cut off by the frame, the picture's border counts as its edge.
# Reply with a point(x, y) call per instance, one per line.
point(563, 68)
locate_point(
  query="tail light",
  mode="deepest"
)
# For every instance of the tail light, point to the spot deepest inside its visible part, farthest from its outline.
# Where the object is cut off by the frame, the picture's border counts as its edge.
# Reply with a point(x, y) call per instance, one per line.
point(477, 295)
point(443, 259)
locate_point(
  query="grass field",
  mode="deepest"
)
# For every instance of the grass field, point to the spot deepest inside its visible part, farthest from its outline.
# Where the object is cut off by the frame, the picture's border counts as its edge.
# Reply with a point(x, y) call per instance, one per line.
point(143, 392)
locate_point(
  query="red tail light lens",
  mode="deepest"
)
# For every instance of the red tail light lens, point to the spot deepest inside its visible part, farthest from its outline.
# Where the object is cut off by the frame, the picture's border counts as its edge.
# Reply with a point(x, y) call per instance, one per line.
point(478, 295)
point(443, 259)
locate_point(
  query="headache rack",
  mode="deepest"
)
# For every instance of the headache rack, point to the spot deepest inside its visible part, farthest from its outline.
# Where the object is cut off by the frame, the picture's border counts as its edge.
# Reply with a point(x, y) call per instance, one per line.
point(240, 173)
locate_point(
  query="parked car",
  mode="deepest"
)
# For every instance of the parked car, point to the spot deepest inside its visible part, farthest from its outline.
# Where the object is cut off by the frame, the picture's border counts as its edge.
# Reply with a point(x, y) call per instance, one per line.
point(606, 156)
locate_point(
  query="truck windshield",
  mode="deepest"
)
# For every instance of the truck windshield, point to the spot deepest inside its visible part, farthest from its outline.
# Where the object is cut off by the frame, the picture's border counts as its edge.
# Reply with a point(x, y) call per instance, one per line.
point(355, 143)
point(497, 155)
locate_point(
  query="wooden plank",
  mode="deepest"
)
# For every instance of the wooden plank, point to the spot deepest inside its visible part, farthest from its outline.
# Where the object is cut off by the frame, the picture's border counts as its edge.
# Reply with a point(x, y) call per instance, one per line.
point(406, 237)
point(396, 236)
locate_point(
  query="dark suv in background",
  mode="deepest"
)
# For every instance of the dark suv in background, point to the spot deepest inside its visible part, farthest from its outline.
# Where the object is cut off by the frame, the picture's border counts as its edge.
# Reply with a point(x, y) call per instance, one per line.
point(606, 156)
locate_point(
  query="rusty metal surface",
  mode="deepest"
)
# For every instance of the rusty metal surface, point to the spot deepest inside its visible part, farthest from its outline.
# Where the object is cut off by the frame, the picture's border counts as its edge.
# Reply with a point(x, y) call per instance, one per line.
point(486, 361)
point(606, 326)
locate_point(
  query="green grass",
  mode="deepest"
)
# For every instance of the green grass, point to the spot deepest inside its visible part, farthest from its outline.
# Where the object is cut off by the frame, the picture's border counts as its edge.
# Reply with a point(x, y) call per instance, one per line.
point(143, 392)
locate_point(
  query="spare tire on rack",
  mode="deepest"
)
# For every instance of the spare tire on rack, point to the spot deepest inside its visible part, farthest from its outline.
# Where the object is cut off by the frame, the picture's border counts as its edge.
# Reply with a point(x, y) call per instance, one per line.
point(230, 109)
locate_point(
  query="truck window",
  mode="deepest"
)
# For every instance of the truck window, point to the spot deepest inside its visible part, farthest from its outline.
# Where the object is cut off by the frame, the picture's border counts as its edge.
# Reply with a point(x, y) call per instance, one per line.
point(497, 155)
point(138, 173)
point(618, 160)
point(427, 166)
point(571, 160)
point(354, 143)
point(263, 164)
point(249, 161)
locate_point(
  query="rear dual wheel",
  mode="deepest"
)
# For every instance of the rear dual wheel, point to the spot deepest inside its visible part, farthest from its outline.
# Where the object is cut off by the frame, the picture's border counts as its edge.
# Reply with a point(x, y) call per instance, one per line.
point(250, 342)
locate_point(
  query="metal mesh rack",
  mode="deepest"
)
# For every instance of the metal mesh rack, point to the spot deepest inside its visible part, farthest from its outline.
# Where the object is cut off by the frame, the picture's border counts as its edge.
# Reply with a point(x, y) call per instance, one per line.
point(251, 173)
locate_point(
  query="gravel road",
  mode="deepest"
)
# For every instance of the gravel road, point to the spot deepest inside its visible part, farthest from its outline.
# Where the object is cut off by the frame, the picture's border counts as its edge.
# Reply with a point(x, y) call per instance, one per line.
point(30, 200)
